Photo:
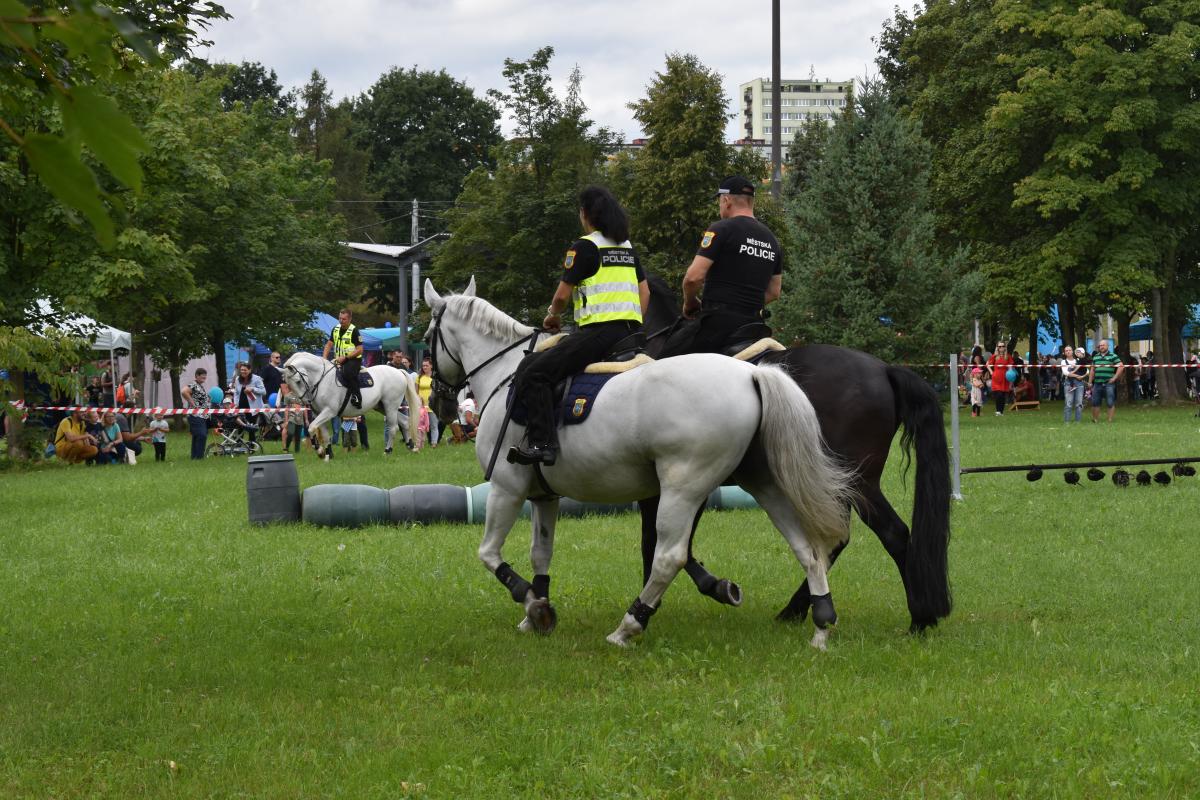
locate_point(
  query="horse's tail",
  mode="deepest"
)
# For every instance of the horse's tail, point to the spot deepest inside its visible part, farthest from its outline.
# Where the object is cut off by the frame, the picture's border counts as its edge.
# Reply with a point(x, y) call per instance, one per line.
point(818, 486)
point(414, 407)
point(927, 563)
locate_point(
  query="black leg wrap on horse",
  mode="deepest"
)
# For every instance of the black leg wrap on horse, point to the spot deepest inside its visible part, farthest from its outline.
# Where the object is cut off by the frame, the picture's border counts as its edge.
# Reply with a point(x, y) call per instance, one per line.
point(541, 586)
point(705, 581)
point(822, 611)
point(517, 586)
point(641, 612)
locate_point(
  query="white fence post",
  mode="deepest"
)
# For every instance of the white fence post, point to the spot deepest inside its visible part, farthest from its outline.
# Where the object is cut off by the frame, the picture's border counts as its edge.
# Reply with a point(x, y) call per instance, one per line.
point(955, 456)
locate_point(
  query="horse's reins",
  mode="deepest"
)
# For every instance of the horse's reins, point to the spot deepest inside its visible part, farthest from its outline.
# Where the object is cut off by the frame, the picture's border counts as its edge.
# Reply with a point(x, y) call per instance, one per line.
point(441, 386)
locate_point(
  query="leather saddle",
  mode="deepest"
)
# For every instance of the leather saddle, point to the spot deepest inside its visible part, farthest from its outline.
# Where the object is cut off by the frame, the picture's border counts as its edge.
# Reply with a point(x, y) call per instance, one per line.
point(745, 336)
point(364, 379)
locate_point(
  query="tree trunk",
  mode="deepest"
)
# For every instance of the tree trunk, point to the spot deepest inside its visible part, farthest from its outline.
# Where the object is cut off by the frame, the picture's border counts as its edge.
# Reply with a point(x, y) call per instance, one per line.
point(217, 342)
point(1160, 302)
point(1066, 319)
point(176, 395)
point(1122, 349)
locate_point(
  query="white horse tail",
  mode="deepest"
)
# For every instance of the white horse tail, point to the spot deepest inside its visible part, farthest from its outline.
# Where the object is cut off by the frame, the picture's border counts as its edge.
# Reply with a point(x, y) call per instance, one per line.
point(414, 407)
point(818, 486)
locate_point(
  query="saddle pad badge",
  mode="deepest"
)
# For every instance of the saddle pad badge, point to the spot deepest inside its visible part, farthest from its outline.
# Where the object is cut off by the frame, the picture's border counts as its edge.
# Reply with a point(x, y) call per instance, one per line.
point(580, 405)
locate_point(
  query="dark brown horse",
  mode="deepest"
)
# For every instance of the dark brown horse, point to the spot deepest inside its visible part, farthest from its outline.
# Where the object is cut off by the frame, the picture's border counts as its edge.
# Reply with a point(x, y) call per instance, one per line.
point(862, 403)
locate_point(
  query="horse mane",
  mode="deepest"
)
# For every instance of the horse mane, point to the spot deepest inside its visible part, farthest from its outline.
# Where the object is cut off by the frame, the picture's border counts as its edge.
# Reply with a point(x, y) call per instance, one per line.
point(493, 321)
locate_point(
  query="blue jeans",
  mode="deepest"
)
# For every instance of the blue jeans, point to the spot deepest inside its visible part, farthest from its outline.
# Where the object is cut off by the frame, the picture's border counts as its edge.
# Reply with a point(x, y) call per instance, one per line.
point(1073, 398)
point(1104, 390)
point(198, 426)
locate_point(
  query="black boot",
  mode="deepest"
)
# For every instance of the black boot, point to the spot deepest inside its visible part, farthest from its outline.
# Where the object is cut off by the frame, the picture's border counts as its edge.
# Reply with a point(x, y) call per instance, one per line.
point(543, 454)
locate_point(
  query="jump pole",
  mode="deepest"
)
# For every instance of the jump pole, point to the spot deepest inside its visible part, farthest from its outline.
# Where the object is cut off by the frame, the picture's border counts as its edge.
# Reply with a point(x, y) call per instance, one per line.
point(955, 456)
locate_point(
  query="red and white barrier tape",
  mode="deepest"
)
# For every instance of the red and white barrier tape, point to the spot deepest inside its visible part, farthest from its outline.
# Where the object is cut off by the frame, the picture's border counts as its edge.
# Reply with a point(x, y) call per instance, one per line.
point(199, 412)
point(1128, 367)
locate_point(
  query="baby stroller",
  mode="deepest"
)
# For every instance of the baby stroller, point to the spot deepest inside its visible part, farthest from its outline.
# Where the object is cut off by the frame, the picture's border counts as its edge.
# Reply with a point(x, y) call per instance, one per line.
point(233, 433)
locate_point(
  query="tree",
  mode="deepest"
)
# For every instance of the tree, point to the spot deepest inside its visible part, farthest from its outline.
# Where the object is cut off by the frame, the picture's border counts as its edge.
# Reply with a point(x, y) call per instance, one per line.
point(425, 132)
point(512, 224)
point(870, 274)
point(671, 182)
point(804, 155)
point(67, 147)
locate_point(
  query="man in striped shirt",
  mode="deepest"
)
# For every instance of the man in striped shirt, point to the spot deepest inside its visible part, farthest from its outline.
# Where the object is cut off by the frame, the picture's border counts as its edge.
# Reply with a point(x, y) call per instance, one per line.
point(1105, 372)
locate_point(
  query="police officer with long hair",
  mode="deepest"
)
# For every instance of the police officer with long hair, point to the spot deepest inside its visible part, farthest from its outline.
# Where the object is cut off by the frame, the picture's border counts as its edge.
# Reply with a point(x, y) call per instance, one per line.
point(604, 282)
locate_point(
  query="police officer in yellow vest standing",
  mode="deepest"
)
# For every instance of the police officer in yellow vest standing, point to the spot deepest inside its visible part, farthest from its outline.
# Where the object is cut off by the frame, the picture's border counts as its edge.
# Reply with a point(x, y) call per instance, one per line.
point(346, 344)
point(603, 279)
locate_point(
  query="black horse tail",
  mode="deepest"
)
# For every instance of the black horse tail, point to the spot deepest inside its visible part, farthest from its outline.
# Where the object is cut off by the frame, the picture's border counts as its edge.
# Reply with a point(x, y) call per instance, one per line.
point(926, 564)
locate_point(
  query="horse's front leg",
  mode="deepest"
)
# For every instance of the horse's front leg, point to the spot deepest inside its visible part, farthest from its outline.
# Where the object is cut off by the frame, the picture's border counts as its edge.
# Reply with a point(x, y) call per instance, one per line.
point(540, 615)
point(722, 590)
point(503, 507)
point(392, 425)
point(316, 429)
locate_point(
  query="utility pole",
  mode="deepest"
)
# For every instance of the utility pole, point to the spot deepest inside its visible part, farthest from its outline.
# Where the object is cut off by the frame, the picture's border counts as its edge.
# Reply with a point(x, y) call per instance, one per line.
point(776, 122)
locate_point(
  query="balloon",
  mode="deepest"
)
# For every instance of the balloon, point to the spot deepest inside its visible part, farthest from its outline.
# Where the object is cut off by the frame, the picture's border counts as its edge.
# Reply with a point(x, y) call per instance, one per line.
point(273, 400)
point(1011, 375)
point(216, 395)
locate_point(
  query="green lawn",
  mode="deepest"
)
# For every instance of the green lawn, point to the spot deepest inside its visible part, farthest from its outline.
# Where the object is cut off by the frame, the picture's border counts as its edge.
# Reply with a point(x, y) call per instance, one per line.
point(154, 644)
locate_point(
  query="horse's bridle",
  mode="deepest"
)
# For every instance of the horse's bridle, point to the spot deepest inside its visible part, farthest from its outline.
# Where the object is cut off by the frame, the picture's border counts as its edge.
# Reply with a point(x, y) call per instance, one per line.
point(448, 391)
point(310, 392)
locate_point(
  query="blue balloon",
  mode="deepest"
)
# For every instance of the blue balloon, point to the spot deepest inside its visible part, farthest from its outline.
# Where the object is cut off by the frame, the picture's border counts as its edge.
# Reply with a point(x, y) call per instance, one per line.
point(387, 323)
point(273, 399)
point(1011, 375)
point(216, 395)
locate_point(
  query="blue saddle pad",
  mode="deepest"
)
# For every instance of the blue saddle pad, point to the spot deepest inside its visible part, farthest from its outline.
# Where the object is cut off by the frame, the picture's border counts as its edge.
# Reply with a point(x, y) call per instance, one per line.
point(364, 379)
point(577, 401)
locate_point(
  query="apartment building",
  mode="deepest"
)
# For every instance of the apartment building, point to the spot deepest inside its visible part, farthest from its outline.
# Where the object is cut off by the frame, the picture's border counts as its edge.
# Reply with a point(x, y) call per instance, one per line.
point(800, 100)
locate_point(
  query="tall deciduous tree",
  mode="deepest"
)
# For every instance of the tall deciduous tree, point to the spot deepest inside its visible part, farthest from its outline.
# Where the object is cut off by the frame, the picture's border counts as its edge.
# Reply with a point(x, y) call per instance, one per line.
point(426, 131)
point(866, 269)
point(513, 223)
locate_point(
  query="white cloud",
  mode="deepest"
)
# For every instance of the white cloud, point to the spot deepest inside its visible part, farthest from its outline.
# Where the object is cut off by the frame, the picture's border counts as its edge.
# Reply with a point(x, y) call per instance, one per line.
point(619, 44)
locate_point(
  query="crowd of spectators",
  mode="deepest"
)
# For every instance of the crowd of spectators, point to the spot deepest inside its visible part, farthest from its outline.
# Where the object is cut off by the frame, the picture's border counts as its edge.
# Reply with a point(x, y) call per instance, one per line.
point(1100, 379)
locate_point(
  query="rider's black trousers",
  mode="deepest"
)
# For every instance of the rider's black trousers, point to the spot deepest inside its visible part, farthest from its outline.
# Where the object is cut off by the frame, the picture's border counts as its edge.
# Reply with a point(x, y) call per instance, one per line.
point(539, 372)
point(708, 333)
point(350, 369)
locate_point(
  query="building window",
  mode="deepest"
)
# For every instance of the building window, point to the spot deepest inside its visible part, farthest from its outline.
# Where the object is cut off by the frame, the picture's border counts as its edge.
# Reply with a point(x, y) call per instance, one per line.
point(767, 129)
point(766, 115)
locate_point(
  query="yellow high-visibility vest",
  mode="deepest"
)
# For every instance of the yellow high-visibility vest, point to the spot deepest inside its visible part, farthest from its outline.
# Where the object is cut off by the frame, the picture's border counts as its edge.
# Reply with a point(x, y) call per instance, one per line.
point(343, 343)
point(612, 293)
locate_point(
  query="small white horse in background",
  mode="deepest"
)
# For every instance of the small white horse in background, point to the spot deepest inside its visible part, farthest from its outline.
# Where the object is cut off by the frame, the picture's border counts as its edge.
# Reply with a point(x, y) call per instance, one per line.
point(675, 428)
point(311, 379)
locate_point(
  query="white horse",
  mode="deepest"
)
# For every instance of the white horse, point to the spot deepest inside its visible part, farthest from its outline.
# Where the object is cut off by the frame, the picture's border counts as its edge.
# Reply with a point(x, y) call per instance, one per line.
point(311, 379)
point(676, 428)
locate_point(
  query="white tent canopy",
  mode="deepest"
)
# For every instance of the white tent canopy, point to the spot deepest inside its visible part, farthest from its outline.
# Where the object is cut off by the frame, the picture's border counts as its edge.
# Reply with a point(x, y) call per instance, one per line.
point(104, 337)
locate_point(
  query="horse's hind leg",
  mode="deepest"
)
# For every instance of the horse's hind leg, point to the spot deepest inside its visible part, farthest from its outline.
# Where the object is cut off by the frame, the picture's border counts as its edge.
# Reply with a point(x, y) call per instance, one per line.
point(720, 589)
point(812, 555)
point(676, 510)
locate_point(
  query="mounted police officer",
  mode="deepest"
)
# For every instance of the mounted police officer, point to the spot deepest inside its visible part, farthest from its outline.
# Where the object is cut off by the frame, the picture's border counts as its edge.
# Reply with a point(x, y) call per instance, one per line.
point(603, 280)
point(346, 344)
point(736, 272)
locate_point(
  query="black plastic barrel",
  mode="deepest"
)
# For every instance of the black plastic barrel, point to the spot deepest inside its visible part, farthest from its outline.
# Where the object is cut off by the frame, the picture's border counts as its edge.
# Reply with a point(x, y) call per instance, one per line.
point(431, 502)
point(272, 489)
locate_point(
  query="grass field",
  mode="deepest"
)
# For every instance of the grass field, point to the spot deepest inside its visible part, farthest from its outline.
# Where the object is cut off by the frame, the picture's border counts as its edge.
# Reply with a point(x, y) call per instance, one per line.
point(154, 644)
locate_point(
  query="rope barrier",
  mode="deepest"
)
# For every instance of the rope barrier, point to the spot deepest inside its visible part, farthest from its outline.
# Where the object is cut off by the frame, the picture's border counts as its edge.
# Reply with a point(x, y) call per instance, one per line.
point(1080, 464)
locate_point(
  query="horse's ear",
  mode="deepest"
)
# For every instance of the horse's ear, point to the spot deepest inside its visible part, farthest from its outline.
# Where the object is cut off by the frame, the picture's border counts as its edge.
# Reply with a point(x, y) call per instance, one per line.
point(470, 290)
point(432, 298)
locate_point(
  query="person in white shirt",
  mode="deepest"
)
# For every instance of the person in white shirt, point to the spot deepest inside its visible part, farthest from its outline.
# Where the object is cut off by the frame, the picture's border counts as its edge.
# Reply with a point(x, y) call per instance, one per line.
point(1074, 378)
point(464, 427)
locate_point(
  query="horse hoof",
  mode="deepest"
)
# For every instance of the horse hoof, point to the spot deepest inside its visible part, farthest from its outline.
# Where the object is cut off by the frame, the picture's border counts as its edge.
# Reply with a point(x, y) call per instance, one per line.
point(542, 616)
point(728, 592)
point(525, 626)
point(617, 638)
point(387, 451)
point(820, 638)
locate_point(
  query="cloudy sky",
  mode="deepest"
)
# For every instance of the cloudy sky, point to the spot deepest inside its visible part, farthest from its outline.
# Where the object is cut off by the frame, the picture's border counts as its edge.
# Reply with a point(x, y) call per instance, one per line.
point(619, 44)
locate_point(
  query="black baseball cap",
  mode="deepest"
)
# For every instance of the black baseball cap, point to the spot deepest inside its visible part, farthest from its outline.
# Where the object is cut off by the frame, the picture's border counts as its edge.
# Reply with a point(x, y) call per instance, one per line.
point(736, 184)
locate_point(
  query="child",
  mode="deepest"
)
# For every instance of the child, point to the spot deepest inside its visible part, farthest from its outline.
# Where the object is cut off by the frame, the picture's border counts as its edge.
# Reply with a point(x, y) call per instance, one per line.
point(295, 421)
point(158, 436)
point(976, 391)
point(422, 426)
point(350, 433)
